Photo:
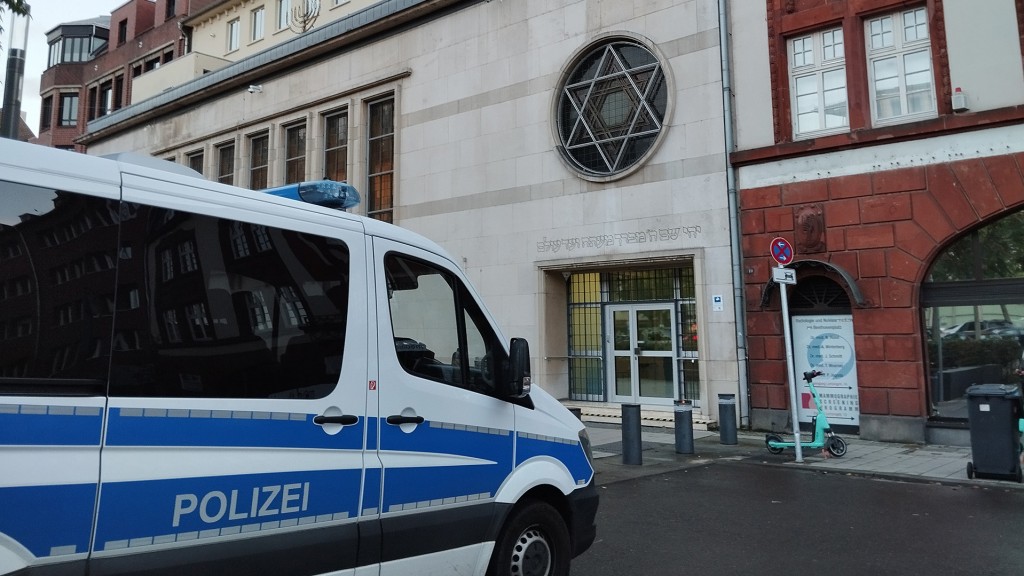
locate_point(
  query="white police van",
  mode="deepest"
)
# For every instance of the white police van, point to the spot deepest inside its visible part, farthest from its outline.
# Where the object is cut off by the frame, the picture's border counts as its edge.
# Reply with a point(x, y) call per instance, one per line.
point(200, 379)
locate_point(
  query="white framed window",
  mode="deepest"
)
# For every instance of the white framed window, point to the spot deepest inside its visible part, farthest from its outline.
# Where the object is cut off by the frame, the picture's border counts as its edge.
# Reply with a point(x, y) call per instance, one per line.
point(817, 83)
point(282, 13)
point(256, 24)
point(899, 58)
point(233, 30)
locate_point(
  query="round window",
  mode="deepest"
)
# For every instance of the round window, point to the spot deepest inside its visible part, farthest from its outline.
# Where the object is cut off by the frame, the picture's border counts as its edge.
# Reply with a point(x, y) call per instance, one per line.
point(611, 108)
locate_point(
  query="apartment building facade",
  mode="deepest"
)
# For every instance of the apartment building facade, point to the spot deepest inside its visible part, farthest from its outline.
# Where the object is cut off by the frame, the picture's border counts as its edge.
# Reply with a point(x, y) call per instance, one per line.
point(570, 153)
point(93, 64)
point(883, 140)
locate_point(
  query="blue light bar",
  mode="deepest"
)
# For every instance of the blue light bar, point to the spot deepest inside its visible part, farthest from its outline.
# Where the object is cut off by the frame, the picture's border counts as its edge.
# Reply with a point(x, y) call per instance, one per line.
point(327, 193)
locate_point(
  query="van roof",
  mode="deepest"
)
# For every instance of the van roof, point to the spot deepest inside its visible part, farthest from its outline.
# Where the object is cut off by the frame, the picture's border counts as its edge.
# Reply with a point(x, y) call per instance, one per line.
point(21, 160)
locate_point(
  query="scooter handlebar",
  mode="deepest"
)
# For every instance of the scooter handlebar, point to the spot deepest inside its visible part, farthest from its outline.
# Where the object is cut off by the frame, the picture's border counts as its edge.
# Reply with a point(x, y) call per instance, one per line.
point(808, 376)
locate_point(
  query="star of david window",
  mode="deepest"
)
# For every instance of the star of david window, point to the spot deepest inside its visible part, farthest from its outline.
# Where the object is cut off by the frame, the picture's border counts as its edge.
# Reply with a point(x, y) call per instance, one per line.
point(611, 108)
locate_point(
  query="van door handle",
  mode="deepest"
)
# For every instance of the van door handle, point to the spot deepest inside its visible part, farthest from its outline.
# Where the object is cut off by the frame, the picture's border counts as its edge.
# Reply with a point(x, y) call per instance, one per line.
point(397, 419)
point(344, 419)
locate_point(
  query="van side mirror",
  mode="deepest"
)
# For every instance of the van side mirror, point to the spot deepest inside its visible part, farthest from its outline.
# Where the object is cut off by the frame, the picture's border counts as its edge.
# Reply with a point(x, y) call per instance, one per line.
point(519, 369)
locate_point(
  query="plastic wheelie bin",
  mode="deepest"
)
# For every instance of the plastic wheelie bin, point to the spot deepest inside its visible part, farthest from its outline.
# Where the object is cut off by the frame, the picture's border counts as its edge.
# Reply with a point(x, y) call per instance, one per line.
point(994, 411)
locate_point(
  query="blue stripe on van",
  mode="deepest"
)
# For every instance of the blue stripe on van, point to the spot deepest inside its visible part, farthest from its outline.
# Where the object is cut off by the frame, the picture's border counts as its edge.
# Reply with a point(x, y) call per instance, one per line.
point(493, 444)
point(371, 492)
point(48, 520)
point(568, 452)
point(50, 426)
point(371, 433)
point(425, 487)
point(225, 428)
point(140, 514)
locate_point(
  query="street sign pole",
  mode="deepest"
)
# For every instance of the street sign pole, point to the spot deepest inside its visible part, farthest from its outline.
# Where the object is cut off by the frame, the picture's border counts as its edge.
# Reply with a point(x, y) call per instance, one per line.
point(782, 253)
point(783, 289)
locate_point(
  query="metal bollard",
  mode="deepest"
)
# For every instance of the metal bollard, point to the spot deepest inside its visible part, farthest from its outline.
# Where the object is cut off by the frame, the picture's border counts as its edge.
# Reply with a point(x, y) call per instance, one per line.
point(727, 418)
point(684, 427)
point(577, 412)
point(632, 446)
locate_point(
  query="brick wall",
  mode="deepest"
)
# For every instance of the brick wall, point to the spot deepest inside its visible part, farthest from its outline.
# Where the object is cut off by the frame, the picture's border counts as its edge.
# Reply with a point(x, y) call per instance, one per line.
point(884, 229)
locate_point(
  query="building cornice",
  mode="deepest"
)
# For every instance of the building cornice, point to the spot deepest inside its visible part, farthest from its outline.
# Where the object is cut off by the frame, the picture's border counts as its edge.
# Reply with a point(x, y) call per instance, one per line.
point(346, 33)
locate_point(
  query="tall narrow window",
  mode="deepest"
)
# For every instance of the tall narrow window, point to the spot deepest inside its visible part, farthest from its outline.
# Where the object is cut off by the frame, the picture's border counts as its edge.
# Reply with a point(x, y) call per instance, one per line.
point(226, 164)
point(170, 11)
point(106, 98)
point(381, 176)
point(336, 147)
point(118, 91)
point(233, 28)
point(900, 66)
point(256, 24)
point(282, 13)
point(46, 114)
point(259, 154)
point(295, 153)
point(817, 66)
point(122, 32)
point(195, 161)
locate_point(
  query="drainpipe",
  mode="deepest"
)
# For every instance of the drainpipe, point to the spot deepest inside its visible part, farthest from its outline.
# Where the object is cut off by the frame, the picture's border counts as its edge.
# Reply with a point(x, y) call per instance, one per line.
point(739, 301)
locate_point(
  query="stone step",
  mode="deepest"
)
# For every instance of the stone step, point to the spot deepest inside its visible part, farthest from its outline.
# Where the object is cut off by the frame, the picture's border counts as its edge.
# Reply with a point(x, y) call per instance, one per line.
point(658, 418)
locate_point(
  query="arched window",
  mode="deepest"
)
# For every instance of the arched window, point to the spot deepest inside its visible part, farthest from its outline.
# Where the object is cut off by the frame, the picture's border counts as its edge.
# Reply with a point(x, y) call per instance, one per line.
point(972, 306)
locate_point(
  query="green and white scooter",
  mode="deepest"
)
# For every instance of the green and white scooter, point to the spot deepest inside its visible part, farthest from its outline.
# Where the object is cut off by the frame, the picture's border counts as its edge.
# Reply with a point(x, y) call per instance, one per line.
point(823, 435)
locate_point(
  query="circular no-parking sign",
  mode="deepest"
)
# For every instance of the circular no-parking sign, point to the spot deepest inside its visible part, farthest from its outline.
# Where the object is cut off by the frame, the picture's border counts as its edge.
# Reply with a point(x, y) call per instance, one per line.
point(782, 251)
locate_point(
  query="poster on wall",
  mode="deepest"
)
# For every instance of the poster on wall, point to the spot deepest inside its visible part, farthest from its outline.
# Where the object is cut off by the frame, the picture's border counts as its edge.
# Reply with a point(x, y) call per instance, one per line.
point(826, 343)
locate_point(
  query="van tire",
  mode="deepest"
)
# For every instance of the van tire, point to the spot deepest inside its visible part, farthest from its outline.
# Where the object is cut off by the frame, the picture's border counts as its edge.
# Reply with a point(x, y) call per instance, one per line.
point(533, 542)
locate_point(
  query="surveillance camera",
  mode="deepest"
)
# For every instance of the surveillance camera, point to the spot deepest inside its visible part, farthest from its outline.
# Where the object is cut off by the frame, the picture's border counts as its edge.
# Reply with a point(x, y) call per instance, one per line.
point(254, 88)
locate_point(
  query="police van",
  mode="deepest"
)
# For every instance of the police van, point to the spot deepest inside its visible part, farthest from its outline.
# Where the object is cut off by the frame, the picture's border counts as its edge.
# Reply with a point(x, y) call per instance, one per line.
point(201, 379)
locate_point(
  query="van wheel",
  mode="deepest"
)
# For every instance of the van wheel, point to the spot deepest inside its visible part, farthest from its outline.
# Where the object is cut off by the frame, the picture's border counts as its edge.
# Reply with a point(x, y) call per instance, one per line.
point(534, 542)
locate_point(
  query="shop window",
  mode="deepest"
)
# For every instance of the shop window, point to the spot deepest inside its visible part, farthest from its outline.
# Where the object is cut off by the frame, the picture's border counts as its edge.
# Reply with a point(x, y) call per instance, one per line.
point(973, 314)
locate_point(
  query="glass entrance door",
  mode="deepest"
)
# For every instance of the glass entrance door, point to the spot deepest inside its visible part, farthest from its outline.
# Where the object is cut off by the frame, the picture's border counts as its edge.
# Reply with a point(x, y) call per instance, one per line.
point(641, 353)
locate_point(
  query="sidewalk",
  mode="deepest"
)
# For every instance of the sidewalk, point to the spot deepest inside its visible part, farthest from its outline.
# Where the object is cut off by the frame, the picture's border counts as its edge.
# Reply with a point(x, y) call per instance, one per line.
point(906, 462)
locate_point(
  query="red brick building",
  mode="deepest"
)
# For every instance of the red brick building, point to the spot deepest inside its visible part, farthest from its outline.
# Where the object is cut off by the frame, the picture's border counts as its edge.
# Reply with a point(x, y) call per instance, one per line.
point(882, 171)
point(92, 63)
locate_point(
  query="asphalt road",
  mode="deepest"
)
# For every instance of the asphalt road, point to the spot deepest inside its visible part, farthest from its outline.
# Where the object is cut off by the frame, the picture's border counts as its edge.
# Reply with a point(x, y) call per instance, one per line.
point(745, 518)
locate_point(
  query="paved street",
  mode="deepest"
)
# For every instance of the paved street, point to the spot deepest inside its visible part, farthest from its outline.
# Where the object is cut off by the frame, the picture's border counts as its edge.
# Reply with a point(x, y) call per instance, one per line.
point(740, 516)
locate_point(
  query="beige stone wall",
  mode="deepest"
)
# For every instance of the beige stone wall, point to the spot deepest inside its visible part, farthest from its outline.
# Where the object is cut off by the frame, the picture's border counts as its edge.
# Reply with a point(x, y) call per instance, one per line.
point(476, 164)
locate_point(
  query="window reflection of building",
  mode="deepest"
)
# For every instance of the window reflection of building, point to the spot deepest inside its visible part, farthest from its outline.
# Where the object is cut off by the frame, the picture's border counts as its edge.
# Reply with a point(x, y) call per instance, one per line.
point(56, 266)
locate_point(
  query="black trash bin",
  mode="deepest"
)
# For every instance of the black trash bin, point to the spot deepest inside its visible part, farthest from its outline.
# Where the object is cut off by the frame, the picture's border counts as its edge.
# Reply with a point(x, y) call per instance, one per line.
point(994, 410)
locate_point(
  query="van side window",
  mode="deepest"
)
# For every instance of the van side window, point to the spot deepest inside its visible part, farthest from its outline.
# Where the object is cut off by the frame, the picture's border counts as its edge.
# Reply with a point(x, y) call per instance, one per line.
point(57, 278)
point(440, 333)
point(228, 309)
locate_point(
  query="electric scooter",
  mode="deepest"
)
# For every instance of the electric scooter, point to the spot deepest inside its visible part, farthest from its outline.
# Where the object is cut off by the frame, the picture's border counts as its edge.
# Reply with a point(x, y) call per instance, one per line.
point(823, 435)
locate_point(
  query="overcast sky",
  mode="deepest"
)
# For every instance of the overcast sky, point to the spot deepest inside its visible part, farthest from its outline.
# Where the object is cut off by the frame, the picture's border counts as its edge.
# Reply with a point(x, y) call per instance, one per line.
point(46, 15)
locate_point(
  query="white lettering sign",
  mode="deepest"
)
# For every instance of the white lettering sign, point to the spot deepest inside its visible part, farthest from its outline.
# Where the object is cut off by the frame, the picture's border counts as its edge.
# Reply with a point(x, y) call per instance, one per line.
point(263, 501)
